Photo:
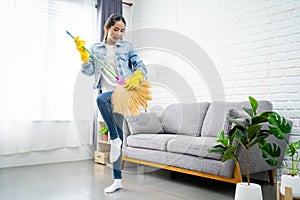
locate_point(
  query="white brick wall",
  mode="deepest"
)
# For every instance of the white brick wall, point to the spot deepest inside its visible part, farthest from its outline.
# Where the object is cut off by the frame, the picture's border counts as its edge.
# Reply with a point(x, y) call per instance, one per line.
point(255, 46)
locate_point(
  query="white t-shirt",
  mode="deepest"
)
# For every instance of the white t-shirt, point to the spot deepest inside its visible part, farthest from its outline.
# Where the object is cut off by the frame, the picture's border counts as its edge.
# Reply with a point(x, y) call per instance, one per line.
point(109, 82)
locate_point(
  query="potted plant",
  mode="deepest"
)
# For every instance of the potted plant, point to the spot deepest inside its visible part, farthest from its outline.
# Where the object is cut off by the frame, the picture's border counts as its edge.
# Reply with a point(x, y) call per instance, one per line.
point(247, 133)
point(292, 178)
point(104, 132)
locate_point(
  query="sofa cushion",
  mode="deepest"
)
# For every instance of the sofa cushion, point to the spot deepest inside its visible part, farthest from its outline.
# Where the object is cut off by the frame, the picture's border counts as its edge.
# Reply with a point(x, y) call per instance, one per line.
point(144, 123)
point(197, 146)
point(215, 119)
point(185, 119)
point(150, 141)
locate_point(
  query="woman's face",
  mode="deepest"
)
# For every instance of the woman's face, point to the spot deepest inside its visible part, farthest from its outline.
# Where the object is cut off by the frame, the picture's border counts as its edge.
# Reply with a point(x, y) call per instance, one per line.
point(115, 32)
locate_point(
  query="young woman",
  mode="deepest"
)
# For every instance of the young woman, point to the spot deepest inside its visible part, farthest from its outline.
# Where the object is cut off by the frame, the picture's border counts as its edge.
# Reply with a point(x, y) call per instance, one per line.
point(121, 57)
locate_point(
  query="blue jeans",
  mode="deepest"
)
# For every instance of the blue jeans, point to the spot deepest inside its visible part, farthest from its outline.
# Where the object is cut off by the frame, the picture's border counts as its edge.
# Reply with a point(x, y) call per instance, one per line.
point(114, 124)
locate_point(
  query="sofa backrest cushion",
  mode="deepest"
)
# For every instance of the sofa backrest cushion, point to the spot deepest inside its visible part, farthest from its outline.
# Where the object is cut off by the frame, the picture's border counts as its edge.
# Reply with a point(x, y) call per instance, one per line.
point(144, 123)
point(215, 119)
point(185, 119)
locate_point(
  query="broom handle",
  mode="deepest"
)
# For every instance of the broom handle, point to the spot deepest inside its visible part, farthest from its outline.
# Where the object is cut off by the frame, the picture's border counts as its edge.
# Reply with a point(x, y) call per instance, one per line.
point(99, 61)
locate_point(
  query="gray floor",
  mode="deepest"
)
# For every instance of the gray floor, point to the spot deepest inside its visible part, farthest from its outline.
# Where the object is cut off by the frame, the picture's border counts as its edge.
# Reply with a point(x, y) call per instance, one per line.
point(84, 180)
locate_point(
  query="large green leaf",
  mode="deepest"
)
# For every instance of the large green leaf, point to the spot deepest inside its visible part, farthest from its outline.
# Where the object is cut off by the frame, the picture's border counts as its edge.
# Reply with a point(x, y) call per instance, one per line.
point(232, 133)
point(296, 145)
point(222, 139)
point(259, 119)
point(249, 111)
point(254, 104)
point(220, 136)
point(271, 152)
point(241, 137)
point(226, 148)
point(292, 148)
point(217, 149)
point(266, 113)
point(259, 138)
point(279, 126)
point(252, 130)
point(230, 154)
point(237, 122)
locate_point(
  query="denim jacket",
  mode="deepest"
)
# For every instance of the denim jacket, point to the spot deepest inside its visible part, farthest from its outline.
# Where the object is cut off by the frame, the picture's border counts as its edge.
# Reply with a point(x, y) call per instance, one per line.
point(127, 61)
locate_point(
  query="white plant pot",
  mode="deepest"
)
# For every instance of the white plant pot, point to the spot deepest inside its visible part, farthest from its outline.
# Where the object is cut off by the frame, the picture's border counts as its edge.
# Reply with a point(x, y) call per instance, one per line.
point(290, 181)
point(245, 192)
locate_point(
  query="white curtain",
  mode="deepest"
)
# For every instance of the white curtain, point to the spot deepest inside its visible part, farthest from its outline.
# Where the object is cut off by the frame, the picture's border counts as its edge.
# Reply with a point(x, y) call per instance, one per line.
point(40, 68)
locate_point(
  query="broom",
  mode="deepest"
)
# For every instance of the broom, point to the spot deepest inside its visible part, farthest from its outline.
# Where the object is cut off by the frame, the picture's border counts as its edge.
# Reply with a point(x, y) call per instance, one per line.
point(125, 102)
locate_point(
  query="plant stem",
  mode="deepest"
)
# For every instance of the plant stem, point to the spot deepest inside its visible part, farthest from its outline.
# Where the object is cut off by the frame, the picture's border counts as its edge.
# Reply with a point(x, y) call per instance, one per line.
point(248, 166)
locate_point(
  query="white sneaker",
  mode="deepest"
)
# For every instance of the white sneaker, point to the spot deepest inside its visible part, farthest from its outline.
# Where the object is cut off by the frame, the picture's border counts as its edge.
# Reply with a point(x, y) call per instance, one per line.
point(115, 150)
point(114, 187)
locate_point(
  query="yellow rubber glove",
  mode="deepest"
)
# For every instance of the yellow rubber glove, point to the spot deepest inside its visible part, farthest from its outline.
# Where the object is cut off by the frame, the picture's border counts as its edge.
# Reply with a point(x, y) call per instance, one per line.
point(83, 53)
point(134, 81)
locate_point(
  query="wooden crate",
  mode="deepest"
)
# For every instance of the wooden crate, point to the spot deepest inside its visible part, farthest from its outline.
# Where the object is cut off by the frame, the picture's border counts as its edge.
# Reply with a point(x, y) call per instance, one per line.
point(101, 157)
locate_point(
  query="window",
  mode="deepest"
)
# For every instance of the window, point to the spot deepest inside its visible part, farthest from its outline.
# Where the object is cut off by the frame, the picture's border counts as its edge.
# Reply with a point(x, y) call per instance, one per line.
point(39, 61)
point(39, 70)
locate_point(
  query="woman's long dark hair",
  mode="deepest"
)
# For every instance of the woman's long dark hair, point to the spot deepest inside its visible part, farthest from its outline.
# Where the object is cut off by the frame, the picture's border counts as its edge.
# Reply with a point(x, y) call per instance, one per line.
point(111, 21)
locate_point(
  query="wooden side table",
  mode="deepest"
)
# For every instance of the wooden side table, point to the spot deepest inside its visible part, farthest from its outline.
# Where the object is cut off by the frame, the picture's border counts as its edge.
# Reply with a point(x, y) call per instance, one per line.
point(288, 193)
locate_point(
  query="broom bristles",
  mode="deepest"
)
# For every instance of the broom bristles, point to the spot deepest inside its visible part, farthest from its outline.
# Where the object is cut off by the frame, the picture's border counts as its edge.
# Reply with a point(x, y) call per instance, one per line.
point(129, 102)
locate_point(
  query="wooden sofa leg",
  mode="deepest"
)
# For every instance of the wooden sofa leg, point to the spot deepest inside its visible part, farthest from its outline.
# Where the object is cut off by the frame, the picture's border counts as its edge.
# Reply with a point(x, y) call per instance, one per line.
point(122, 164)
point(237, 173)
point(271, 176)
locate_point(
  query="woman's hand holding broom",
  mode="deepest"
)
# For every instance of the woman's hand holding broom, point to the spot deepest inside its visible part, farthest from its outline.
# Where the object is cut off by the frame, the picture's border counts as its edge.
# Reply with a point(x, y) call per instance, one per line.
point(139, 92)
point(134, 81)
point(80, 47)
point(85, 56)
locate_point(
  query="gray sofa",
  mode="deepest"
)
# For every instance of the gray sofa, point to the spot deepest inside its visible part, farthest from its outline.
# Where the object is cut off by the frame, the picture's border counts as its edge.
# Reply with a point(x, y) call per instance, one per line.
point(180, 137)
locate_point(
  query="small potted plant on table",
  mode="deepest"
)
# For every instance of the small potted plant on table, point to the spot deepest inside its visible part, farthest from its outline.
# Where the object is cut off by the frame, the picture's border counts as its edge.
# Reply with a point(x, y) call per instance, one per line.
point(104, 132)
point(292, 178)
